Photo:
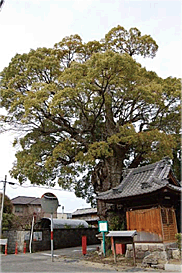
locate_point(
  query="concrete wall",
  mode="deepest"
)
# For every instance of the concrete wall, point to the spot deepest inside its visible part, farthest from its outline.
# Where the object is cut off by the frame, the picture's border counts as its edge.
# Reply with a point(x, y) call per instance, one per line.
point(66, 238)
point(62, 238)
point(11, 235)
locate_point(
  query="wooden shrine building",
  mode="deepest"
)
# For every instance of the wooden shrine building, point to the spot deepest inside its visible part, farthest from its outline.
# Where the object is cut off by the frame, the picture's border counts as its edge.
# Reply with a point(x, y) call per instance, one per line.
point(150, 197)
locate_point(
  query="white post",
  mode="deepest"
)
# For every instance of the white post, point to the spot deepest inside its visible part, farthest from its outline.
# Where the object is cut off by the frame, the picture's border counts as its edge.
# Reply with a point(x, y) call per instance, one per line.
point(52, 251)
point(31, 235)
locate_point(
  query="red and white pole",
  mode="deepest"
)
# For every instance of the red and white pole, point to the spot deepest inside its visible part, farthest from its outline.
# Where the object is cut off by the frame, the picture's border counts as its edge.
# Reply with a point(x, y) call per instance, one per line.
point(84, 245)
point(52, 251)
point(6, 249)
point(16, 248)
point(24, 248)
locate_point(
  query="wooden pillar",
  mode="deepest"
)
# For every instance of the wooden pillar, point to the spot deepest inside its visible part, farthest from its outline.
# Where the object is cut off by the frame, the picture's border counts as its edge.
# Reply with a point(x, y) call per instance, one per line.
point(127, 220)
point(114, 248)
point(134, 254)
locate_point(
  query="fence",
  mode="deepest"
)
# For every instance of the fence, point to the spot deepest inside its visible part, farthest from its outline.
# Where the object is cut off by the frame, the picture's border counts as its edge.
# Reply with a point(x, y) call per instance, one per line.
point(42, 238)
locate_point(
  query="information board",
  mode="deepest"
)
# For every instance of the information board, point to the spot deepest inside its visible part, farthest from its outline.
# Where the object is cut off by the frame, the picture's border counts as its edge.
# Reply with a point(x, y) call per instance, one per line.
point(103, 226)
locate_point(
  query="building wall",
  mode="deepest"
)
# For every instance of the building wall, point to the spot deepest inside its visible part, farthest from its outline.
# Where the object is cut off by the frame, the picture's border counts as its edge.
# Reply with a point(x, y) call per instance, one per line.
point(29, 210)
point(153, 225)
point(21, 210)
point(64, 215)
point(147, 222)
point(48, 215)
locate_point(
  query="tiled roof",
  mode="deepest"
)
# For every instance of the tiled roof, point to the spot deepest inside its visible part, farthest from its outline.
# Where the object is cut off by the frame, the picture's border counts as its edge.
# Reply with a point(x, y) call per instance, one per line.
point(142, 180)
point(91, 219)
point(26, 200)
point(85, 211)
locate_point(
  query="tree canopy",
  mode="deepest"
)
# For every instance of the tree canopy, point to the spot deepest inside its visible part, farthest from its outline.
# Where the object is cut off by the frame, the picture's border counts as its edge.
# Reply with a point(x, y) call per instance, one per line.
point(8, 206)
point(88, 110)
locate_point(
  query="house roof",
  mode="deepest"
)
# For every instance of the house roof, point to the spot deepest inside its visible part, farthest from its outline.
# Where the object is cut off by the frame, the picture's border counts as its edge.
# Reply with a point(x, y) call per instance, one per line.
point(84, 211)
point(26, 200)
point(143, 180)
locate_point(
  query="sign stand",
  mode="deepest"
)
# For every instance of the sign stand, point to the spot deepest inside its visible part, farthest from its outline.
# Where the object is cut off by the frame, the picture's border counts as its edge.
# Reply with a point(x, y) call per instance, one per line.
point(52, 250)
point(103, 227)
point(123, 237)
point(49, 203)
point(31, 236)
point(104, 244)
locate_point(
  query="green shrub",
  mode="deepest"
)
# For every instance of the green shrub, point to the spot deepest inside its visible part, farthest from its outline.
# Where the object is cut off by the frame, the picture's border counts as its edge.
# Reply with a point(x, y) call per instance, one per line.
point(80, 226)
point(67, 226)
point(178, 237)
point(116, 223)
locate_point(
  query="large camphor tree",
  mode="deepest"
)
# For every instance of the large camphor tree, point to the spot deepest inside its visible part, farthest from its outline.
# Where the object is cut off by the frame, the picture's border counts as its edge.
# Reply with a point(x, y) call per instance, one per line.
point(88, 110)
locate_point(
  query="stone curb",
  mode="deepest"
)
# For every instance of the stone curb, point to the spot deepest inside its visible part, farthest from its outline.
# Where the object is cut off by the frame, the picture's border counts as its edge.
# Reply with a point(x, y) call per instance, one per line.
point(173, 267)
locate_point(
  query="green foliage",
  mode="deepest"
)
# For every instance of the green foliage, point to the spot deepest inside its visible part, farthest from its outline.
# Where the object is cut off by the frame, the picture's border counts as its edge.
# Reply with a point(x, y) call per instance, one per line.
point(67, 226)
point(80, 226)
point(8, 206)
point(179, 240)
point(85, 105)
point(9, 221)
point(108, 252)
point(116, 223)
point(131, 42)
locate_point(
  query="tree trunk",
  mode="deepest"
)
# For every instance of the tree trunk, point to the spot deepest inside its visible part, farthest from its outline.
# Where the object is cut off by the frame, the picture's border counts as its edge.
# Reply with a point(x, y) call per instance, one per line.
point(107, 174)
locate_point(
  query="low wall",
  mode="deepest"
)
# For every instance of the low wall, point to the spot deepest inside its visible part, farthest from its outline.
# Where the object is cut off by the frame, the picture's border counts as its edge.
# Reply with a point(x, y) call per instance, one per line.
point(145, 249)
point(42, 238)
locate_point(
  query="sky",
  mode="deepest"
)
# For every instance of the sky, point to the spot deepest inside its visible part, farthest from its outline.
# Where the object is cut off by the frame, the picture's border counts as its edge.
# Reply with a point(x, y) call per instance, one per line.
point(29, 24)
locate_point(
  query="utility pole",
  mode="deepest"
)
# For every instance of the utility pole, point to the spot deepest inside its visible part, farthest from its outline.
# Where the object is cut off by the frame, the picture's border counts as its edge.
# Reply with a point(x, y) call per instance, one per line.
point(2, 204)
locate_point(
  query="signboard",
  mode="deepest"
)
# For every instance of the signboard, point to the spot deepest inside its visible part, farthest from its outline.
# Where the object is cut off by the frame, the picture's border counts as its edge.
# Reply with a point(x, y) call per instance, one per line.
point(37, 236)
point(3, 241)
point(103, 226)
point(27, 236)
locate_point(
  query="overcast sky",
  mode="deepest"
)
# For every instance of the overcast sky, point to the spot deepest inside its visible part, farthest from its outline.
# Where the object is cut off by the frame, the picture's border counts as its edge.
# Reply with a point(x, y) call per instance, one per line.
point(28, 24)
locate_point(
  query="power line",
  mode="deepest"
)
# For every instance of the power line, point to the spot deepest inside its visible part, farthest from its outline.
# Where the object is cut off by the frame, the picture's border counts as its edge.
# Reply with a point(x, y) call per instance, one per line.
point(31, 186)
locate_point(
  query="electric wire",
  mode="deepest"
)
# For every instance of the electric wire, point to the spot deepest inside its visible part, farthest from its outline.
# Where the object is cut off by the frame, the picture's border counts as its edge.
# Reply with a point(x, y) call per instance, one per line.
point(31, 186)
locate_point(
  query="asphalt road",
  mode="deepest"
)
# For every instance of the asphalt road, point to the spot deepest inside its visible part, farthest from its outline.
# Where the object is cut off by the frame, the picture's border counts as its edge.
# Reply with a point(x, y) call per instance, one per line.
point(65, 260)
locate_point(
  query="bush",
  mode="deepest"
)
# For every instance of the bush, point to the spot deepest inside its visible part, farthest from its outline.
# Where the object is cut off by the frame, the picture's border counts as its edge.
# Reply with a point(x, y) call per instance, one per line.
point(178, 237)
point(116, 223)
point(67, 226)
point(8, 221)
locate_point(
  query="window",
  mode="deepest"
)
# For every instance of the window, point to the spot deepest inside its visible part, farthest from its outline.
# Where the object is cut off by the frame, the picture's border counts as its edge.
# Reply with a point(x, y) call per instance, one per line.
point(164, 216)
point(18, 209)
point(170, 217)
point(167, 216)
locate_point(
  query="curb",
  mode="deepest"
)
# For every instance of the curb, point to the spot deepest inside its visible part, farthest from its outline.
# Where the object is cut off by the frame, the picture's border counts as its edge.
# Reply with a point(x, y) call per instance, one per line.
point(173, 267)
